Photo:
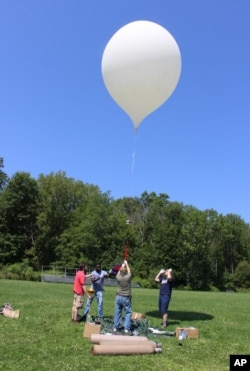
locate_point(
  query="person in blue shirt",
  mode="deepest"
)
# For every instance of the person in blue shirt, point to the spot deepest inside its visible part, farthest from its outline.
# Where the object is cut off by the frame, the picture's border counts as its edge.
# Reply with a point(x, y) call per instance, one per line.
point(165, 278)
point(97, 278)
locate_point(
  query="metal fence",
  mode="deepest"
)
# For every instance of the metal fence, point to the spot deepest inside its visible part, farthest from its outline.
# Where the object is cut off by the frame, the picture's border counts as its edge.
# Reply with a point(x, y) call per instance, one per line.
point(66, 275)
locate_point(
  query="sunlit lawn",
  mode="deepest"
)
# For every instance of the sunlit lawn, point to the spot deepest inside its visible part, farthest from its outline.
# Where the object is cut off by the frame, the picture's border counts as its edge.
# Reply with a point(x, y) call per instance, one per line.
point(44, 338)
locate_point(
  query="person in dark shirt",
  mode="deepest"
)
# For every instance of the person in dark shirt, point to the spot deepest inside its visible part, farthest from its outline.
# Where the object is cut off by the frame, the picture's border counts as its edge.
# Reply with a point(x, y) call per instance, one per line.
point(165, 278)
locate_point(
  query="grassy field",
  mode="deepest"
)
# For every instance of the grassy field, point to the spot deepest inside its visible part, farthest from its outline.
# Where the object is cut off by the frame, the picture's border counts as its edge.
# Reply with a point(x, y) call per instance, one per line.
point(44, 338)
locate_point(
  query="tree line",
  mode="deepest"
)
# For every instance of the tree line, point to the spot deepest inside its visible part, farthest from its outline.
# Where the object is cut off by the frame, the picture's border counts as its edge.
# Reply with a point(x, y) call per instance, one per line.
point(57, 220)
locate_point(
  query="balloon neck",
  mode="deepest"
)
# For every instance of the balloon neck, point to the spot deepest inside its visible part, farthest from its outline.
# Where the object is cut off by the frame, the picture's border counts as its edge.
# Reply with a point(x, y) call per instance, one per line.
point(136, 123)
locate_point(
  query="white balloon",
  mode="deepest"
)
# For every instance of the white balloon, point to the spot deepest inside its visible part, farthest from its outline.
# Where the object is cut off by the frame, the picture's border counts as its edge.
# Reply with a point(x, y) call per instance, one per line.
point(141, 66)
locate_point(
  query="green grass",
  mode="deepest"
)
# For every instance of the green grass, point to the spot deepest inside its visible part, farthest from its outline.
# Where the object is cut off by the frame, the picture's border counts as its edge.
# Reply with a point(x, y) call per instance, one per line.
point(44, 338)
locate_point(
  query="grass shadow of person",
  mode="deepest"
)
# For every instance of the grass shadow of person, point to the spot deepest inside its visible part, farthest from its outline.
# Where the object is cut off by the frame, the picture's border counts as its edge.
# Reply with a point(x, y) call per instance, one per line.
point(176, 317)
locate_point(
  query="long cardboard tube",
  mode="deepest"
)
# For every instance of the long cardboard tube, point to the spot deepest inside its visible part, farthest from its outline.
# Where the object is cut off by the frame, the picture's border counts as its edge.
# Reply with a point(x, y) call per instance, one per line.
point(128, 343)
point(157, 346)
point(96, 338)
point(121, 349)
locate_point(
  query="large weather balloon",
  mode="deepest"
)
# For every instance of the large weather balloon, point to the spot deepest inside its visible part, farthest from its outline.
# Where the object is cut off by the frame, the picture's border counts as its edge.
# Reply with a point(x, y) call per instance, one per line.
point(141, 66)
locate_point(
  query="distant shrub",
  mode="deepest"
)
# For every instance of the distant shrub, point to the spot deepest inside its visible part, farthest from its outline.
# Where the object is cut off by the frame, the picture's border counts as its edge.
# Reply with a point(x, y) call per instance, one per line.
point(20, 271)
point(143, 282)
point(228, 281)
point(214, 289)
point(241, 276)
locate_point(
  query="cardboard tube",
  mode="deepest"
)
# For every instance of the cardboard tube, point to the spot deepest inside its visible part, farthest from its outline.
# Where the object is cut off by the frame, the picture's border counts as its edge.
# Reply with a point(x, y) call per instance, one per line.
point(97, 338)
point(128, 343)
point(121, 349)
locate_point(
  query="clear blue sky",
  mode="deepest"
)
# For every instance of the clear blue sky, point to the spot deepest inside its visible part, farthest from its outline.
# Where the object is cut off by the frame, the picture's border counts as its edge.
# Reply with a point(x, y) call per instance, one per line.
point(56, 114)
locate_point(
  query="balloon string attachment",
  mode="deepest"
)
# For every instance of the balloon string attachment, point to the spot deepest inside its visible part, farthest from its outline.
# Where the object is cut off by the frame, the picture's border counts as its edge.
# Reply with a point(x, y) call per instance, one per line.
point(133, 162)
point(133, 165)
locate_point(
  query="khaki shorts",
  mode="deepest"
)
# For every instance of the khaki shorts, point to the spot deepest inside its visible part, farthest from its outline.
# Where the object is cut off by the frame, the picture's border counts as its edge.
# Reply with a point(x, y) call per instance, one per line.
point(78, 301)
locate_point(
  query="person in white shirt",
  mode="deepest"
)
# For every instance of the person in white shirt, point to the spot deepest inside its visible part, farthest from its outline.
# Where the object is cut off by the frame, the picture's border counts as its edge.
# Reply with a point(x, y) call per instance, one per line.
point(97, 278)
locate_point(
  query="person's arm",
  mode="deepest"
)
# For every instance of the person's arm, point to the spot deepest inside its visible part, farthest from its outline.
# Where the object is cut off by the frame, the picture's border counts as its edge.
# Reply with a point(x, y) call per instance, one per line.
point(169, 274)
point(104, 274)
point(118, 273)
point(127, 266)
point(96, 278)
point(157, 277)
point(84, 288)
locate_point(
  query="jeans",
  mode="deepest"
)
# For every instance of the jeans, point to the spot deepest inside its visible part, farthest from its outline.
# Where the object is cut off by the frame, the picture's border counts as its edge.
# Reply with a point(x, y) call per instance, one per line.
point(163, 303)
point(99, 298)
point(122, 302)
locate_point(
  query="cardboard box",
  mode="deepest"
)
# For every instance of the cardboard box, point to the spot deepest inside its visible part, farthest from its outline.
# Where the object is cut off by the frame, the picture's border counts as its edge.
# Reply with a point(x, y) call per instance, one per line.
point(136, 315)
point(91, 328)
point(192, 332)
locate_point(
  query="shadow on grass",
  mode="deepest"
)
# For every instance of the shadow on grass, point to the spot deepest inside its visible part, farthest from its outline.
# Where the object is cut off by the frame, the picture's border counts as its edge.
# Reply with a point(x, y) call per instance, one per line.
point(179, 316)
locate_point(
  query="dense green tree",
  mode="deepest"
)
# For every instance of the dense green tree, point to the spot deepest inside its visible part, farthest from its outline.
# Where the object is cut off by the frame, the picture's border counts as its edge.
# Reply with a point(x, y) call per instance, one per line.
point(214, 223)
point(98, 233)
point(60, 196)
point(242, 275)
point(234, 245)
point(3, 176)
point(163, 233)
point(57, 220)
point(83, 239)
point(19, 208)
point(196, 249)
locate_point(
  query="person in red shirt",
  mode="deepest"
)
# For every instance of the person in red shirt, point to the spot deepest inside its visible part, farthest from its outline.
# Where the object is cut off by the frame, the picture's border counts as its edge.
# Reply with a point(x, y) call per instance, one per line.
point(79, 289)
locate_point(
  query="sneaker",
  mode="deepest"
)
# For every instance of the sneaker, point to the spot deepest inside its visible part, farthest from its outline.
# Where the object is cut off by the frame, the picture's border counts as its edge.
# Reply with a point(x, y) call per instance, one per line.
point(164, 325)
point(126, 331)
point(114, 330)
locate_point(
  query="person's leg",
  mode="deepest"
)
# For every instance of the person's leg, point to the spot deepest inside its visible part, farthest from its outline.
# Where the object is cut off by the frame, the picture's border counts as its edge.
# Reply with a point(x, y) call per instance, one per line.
point(99, 298)
point(127, 313)
point(77, 304)
point(87, 308)
point(118, 312)
point(165, 299)
point(161, 307)
point(159, 303)
point(164, 319)
point(88, 305)
point(74, 310)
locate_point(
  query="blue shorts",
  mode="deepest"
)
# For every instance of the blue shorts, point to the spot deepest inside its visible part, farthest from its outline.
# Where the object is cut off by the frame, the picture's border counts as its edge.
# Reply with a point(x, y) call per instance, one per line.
point(163, 303)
